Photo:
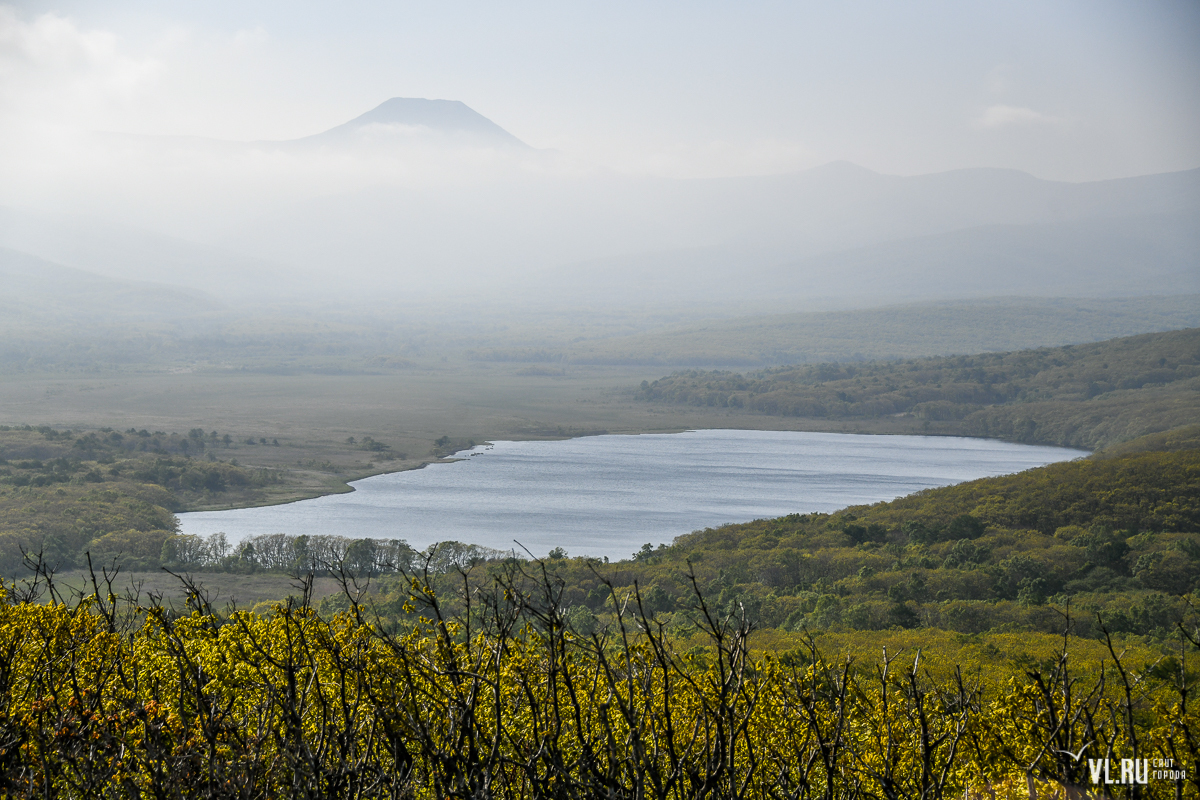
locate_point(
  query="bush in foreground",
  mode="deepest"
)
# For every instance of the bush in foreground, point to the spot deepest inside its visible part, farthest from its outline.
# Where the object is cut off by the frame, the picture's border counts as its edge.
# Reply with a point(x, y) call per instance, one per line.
point(102, 696)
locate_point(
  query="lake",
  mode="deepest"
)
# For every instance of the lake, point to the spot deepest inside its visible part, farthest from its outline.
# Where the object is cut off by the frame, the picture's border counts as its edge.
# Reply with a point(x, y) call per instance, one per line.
point(607, 495)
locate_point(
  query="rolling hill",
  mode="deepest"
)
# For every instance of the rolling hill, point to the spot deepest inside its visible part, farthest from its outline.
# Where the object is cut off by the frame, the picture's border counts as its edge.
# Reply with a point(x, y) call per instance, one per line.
point(1089, 395)
point(886, 332)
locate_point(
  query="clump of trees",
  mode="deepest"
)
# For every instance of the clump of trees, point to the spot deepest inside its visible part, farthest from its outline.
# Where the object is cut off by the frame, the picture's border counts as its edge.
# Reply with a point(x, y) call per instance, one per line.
point(169, 460)
point(66, 493)
point(371, 445)
point(282, 553)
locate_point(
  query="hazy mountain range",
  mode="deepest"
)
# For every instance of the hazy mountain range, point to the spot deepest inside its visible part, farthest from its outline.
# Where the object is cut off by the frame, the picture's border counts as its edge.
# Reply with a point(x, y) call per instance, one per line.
point(39, 295)
point(416, 116)
point(427, 198)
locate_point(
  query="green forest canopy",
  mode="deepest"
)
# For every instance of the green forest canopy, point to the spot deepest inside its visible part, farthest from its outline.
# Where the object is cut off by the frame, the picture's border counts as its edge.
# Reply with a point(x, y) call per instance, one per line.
point(1089, 396)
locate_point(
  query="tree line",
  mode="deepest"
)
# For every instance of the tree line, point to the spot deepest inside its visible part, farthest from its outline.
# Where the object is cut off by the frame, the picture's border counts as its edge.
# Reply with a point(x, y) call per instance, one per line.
point(1078, 396)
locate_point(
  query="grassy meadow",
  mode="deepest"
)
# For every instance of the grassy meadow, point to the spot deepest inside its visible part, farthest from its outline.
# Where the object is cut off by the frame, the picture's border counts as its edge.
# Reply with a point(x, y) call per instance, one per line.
point(889, 332)
point(313, 415)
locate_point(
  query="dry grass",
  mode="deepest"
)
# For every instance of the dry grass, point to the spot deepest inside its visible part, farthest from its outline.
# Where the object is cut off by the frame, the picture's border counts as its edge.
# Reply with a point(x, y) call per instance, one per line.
point(312, 416)
point(225, 589)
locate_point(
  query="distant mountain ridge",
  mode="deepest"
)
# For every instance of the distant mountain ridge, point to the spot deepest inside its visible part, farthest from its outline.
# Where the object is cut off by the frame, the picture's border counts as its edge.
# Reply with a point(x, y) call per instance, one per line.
point(422, 197)
point(38, 293)
point(833, 235)
point(841, 231)
point(119, 253)
point(410, 114)
point(452, 121)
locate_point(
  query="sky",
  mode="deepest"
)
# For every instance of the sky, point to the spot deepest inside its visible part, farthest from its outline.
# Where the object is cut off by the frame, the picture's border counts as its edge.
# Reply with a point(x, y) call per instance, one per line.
point(1064, 89)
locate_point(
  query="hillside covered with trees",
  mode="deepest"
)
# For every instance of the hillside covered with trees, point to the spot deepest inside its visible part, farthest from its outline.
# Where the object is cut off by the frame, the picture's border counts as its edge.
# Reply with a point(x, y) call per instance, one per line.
point(1089, 396)
point(65, 493)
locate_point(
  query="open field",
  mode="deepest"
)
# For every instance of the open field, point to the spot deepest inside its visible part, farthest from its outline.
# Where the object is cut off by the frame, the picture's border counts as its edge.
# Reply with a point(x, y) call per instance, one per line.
point(225, 589)
point(313, 416)
point(889, 332)
point(324, 400)
point(370, 340)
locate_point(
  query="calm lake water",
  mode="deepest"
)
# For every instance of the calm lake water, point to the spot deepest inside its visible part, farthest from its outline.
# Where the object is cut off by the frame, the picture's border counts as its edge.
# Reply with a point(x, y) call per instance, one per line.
point(607, 495)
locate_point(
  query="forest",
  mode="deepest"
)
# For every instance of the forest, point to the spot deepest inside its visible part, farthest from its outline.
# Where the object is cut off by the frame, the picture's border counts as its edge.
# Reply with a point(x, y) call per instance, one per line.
point(1088, 395)
point(64, 493)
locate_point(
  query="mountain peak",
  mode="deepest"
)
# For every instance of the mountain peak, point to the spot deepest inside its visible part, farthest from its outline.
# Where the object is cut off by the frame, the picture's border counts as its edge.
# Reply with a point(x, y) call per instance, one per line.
point(452, 117)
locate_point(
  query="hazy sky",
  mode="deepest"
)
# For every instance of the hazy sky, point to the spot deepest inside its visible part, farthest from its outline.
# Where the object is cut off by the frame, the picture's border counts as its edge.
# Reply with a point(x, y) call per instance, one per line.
point(1065, 89)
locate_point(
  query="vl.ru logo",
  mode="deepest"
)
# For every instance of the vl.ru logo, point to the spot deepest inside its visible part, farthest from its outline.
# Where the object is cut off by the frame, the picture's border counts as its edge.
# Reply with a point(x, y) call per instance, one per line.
point(1129, 771)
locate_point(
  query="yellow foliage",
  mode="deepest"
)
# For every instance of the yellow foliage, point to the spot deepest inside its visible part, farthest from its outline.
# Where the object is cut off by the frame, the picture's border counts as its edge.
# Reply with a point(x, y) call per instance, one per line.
point(288, 703)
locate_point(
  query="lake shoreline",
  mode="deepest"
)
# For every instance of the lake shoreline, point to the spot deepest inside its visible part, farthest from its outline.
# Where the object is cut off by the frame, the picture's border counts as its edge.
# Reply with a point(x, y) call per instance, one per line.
point(346, 487)
point(607, 489)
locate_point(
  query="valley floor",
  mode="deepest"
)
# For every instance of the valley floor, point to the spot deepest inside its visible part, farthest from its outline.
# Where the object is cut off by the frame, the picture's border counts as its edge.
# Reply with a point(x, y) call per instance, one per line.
point(313, 416)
